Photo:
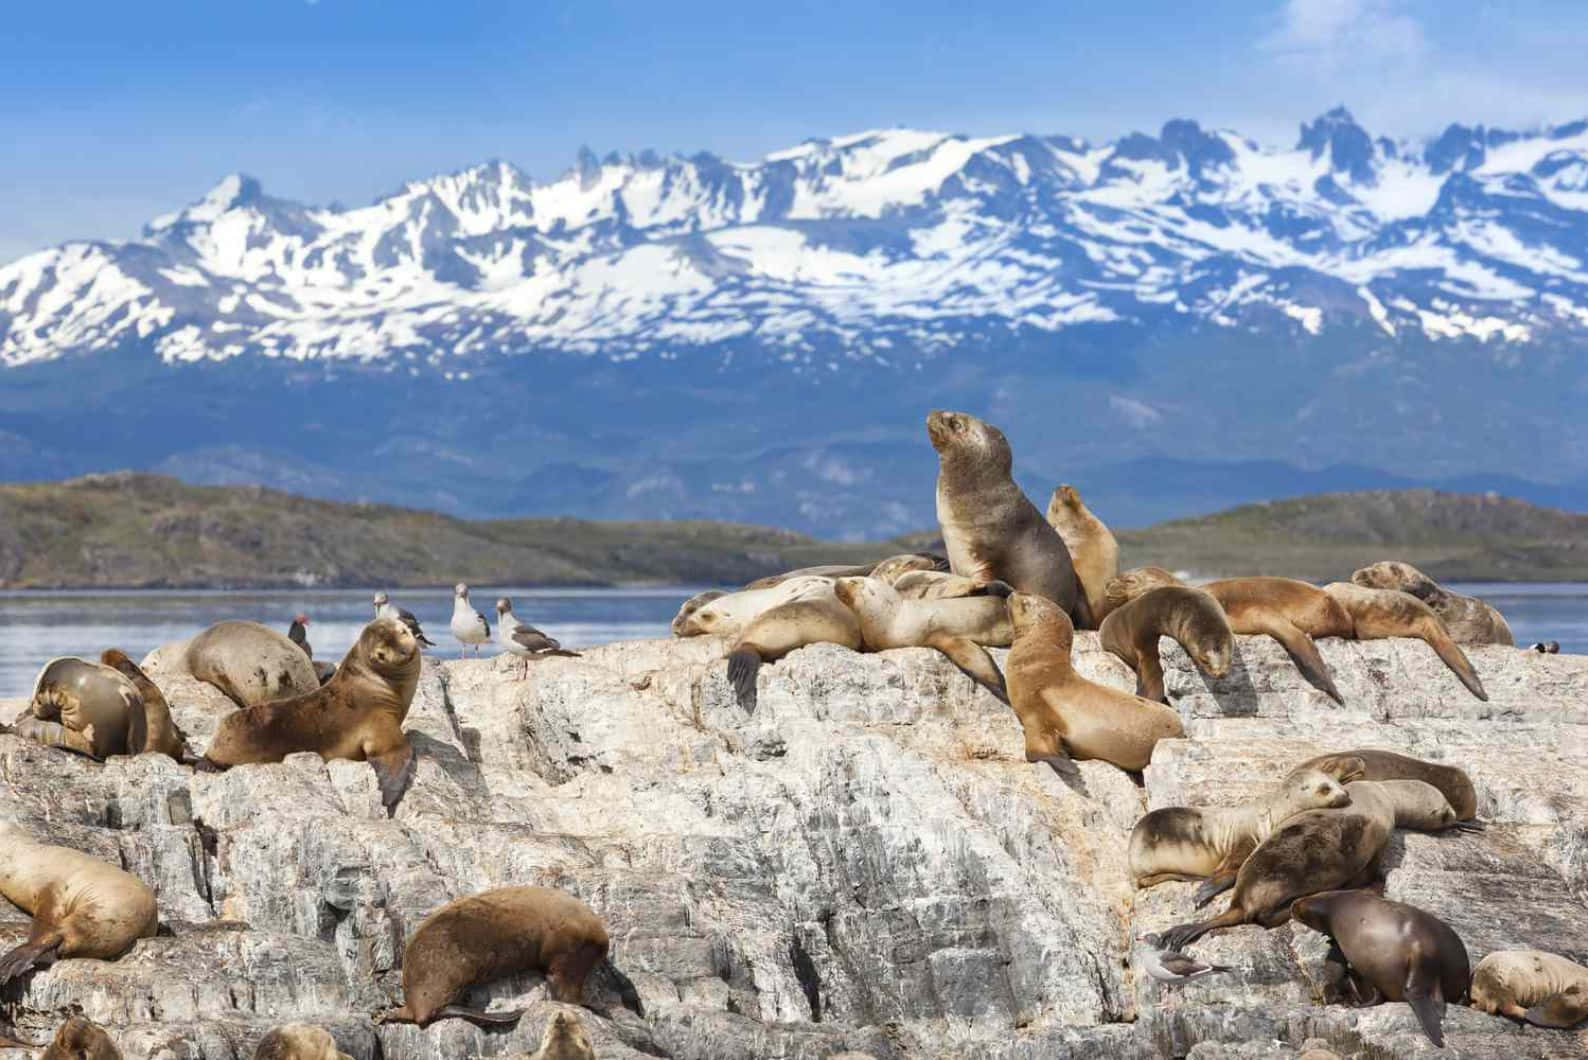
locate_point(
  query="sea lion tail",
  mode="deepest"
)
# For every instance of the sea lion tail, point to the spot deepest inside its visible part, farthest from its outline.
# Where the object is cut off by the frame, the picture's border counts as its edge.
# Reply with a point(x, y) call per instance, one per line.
point(743, 666)
point(480, 1016)
point(1422, 993)
point(28, 955)
point(1451, 654)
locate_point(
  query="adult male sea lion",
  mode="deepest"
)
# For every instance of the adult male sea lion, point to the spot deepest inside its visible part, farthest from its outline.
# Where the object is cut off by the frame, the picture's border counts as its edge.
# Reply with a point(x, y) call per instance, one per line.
point(298, 1041)
point(991, 530)
point(152, 728)
point(1543, 989)
point(959, 628)
point(80, 1038)
point(83, 706)
point(1468, 619)
point(1093, 550)
point(564, 1039)
point(250, 662)
point(357, 714)
point(1192, 617)
point(1379, 613)
point(1366, 763)
point(494, 934)
point(1064, 715)
point(81, 906)
point(1396, 950)
point(813, 618)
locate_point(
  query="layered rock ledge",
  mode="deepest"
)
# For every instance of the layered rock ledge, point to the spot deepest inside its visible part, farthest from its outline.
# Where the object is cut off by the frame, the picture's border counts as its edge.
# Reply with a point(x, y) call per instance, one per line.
point(864, 866)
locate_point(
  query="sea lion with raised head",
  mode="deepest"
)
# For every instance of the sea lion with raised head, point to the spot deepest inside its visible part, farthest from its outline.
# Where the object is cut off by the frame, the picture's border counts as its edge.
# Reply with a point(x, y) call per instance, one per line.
point(1092, 547)
point(1467, 619)
point(814, 618)
point(494, 934)
point(1380, 613)
point(1540, 988)
point(564, 1038)
point(1211, 843)
point(1190, 616)
point(1366, 763)
point(298, 1041)
point(1396, 951)
point(81, 906)
point(250, 662)
point(358, 714)
point(152, 728)
point(991, 530)
point(82, 706)
point(1064, 715)
point(728, 614)
point(959, 628)
point(80, 1038)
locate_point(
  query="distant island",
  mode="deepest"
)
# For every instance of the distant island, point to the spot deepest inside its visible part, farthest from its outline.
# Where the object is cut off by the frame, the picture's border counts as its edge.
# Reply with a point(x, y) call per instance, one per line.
point(134, 530)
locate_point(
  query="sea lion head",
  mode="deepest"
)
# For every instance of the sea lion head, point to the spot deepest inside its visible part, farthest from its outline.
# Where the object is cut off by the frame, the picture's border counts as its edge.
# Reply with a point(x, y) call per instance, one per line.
point(298, 1041)
point(682, 627)
point(1125, 586)
point(565, 1038)
point(1560, 1011)
point(1313, 910)
point(894, 566)
point(969, 440)
point(1037, 614)
point(1343, 768)
point(389, 648)
point(1312, 789)
point(1393, 574)
point(81, 1039)
point(1068, 496)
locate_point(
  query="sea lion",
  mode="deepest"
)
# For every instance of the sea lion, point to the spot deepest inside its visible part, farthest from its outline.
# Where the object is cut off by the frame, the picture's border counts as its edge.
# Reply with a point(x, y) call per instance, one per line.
point(564, 1039)
point(1372, 764)
point(690, 606)
point(1093, 550)
point(298, 1041)
point(1064, 715)
point(1540, 988)
point(81, 1039)
point(942, 585)
point(152, 728)
point(1380, 613)
point(1293, 613)
point(1322, 850)
point(728, 615)
point(892, 568)
point(1189, 843)
point(494, 934)
point(893, 565)
point(1125, 586)
point(357, 714)
point(81, 906)
point(250, 662)
point(991, 530)
point(1396, 950)
point(814, 618)
point(1192, 617)
point(959, 628)
point(1467, 619)
point(82, 706)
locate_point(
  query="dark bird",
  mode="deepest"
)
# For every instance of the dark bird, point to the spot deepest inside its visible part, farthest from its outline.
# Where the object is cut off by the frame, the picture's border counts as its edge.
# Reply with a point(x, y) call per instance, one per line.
point(522, 639)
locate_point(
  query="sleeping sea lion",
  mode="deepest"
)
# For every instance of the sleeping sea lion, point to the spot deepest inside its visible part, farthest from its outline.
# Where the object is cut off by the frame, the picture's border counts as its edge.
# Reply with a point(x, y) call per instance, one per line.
point(959, 628)
point(1540, 988)
point(82, 706)
point(152, 728)
point(816, 617)
point(1379, 613)
point(1368, 763)
point(1467, 619)
point(250, 662)
point(728, 615)
point(1192, 617)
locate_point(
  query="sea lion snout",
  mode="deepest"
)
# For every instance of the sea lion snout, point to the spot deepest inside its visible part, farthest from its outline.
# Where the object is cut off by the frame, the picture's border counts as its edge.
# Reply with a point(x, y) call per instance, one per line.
point(941, 426)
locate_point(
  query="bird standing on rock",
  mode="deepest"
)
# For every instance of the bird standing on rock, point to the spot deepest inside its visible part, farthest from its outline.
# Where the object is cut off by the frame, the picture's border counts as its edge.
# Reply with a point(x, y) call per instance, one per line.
point(1169, 966)
point(384, 608)
point(468, 625)
point(523, 639)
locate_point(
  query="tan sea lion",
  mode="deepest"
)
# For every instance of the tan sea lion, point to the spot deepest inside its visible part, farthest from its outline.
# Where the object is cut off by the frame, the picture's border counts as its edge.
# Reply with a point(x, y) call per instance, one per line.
point(1540, 988)
point(959, 628)
point(690, 606)
point(81, 1039)
point(358, 714)
point(991, 530)
point(1395, 950)
point(942, 585)
point(1064, 715)
point(1380, 613)
point(1322, 850)
point(152, 728)
point(813, 618)
point(564, 1039)
point(892, 568)
point(892, 565)
point(1467, 619)
point(1192, 617)
point(1293, 613)
point(1368, 763)
point(1125, 586)
point(1093, 550)
point(1189, 843)
point(250, 662)
point(729, 614)
point(494, 934)
point(298, 1041)
point(82, 706)
point(81, 906)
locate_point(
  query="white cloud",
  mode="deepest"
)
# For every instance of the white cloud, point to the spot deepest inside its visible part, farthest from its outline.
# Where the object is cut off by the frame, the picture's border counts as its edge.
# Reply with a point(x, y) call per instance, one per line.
point(1333, 35)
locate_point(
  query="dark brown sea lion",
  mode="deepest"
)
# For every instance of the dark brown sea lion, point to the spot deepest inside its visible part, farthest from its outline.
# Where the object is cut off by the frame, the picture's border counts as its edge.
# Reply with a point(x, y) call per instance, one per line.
point(1092, 547)
point(1468, 619)
point(1395, 951)
point(250, 662)
point(1543, 989)
point(1366, 763)
point(81, 1039)
point(357, 714)
point(1192, 617)
point(1380, 613)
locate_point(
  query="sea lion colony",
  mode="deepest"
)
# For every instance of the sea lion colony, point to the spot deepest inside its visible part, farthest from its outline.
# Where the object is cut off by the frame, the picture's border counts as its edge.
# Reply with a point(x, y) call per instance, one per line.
point(1307, 850)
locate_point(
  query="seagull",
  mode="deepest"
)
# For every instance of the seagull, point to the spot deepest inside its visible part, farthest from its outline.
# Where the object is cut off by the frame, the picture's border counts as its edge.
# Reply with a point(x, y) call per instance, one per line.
point(468, 625)
point(523, 639)
point(1169, 966)
point(384, 608)
point(298, 633)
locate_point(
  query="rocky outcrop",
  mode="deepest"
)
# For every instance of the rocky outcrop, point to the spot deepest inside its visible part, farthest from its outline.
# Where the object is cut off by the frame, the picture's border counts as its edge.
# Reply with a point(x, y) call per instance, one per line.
point(865, 866)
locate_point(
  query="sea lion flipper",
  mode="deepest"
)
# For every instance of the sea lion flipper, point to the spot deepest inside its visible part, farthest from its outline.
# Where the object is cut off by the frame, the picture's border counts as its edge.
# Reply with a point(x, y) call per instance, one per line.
point(1556, 1013)
point(28, 955)
point(475, 1015)
point(1303, 651)
point(1452, 656)
point(394, 771)
point(743, 666)
point(972, 660)
point(55, 734)
point(1212, 887)
point(1422, 993)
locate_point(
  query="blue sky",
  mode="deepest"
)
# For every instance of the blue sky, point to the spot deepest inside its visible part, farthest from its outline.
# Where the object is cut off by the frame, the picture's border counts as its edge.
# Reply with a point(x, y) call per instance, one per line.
point(115, 111)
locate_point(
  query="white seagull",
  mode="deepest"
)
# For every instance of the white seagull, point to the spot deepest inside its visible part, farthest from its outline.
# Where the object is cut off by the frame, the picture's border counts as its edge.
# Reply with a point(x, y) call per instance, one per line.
point(1169, 966)
point(468, 625)
point(523, 639)
point(384, 608)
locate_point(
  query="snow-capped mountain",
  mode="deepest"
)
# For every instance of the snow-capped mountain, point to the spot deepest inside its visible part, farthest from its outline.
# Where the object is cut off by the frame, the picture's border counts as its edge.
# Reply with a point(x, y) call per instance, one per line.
point(1160, 275)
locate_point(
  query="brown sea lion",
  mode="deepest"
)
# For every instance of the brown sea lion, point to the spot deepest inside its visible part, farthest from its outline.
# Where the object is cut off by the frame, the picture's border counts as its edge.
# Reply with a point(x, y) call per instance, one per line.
point(727, 615)
point(298, 1041)
point(1396, 951)
point(1190, 843)
point(1322, 850)
point(1371, 764)
point(1293, 613)
point(1093, 550)
point(152, 728)
point(1380, 613)
point(82, 706)
point(494, 934)
point(564, 1039)
point(814, 618)
point(1192, 617)
point(250, 662)
point(358, 714)
point(1125, 586)
point(1468, 619)
point(1064, 715)
point(81, 1039)
point(1540, 988)
point(991, 530)
point(959, 628)
point(81, 906)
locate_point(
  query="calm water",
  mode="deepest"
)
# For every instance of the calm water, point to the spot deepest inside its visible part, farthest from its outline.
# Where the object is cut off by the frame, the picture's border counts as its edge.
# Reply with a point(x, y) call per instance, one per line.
point(36, 626)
